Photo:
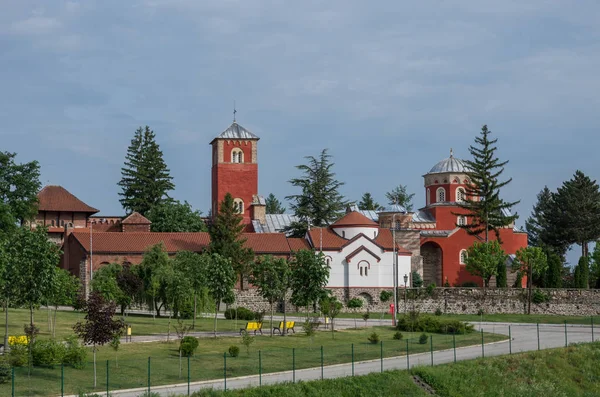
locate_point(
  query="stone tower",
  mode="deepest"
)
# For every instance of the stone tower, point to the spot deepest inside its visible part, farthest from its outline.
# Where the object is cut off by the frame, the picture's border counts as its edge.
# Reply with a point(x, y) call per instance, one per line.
point(235, 169)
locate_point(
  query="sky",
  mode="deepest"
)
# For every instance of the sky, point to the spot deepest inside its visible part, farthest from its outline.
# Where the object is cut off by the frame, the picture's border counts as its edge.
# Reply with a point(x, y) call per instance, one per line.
point(389, 87)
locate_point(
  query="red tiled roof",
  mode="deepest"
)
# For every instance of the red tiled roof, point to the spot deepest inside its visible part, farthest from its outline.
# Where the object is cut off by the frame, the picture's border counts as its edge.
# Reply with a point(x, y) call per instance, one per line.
point(267, 243)
point(136, 219)
point(385, 240)
point(330, 240)
point(106, 227)
point(57, 198)
point(297, 244)
point(139, 242)
point(354, 218)
point(56, 229)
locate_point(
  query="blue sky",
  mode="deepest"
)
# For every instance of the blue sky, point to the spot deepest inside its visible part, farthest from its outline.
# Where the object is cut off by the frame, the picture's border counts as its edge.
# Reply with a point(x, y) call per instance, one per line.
point(389, 87)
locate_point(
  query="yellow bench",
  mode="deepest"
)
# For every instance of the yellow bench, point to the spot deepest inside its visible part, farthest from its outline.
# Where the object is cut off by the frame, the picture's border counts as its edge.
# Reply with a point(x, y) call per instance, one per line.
point(252, 326)
point(289, 325)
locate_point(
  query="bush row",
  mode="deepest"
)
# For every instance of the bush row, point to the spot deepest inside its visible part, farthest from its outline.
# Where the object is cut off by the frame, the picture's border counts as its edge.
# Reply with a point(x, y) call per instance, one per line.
point(426, 323)
point(49, 353)
point(243, 314)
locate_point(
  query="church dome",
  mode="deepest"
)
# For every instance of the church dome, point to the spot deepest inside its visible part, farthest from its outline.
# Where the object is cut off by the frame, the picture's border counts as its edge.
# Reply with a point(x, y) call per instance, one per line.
point(451, 164)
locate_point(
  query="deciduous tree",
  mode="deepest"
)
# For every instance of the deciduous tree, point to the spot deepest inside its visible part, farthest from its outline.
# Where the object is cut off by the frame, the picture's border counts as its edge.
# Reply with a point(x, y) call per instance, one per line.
point(483, 259)
point(530, 261)
point(220, 280)
point(151, 271)
point(174, 216)
point(400, 196)
point(193, 266)
point(309, 276)
point(485, 210)
point(319, 202)
point(331, 307)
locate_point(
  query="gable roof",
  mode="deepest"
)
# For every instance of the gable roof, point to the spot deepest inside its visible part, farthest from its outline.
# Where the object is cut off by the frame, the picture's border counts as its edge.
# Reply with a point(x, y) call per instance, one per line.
point(333, 242)
point(236, 131)
point(354, 218)
point(297, 244)
point(136, 219)
point(359, 250)
point(57, 198)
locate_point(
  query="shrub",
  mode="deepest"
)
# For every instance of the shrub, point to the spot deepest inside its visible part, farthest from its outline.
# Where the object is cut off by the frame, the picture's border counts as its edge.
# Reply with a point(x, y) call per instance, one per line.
point(418, 323)
point(430, 289)
point(374, 338)
point(18, 356)
point(186, 312)
point(5, 372)
point(234, 351)
point(75, 353)
point(385, 296)
point(47, 352)
point(480, 312)
point(438, 312)
point(417, 281)
point(469, 284)
point(539, 296)
point(247, 340)
point(242, 314)
point(423, 339)
point(309, 327)
point(398, 335)
point(188, 345)
point(366, 316)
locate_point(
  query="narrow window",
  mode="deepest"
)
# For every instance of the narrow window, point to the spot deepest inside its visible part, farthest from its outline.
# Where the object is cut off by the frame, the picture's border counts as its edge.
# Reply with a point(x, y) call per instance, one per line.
point(462, 220)
point(460, 194)
point(463, 257)
point(361, 271)
point(428, 198)
point(366, 271)
point(441, 195)
point(343, 234)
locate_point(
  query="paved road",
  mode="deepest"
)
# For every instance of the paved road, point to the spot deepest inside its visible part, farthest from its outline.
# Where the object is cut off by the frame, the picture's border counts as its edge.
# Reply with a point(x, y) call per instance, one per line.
point(524, 338)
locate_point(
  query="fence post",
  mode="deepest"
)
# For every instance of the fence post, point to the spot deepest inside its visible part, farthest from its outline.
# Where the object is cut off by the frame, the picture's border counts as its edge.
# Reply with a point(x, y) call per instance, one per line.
point(431, 348)
point(454, 346)
point(509, 341)
point(107, 380)
point(482, 350)
point(353, 359)
point(321, 362)
point(188, 357)
point(538, 334)
point(225, 371)
point(407, 357)
point(592, 328)
point(12, 381)
point(566, 341)
point(381, 354)
point(294, 365)
point(148, 375)
point(259, 368)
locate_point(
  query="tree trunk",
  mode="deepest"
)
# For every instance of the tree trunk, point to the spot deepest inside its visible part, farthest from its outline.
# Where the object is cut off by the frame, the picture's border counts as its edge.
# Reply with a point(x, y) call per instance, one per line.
point(271, 318)
point(356, 326)
point(529, 285)
point(94, 350)
point(215, 323)
point(54, 322)
point(180, 361)
point(284, 318)
point(31, 315)
point(195, 307)
point(6, 325)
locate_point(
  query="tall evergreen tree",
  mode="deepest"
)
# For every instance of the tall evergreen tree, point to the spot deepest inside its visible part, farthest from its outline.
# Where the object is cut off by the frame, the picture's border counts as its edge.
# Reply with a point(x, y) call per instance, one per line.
point(581, 274)
point(554, 272)
point(538, 224)
point(320, 202)
point(400, 196)
point(486, 211)
point(368, 203)
point(274, 206)
point(145, 178)
point(501, 280)
point(226, 238)
point(576, 214)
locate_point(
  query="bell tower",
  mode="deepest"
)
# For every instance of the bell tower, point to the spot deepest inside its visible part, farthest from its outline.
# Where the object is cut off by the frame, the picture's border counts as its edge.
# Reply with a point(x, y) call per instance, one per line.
point(235, 169)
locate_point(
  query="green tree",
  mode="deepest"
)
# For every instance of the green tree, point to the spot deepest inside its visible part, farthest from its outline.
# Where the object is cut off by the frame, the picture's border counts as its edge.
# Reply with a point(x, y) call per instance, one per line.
point(399, 196)
point(581, 273)
point(63, 292)
point(319, 202)
point(271, 276)
point(193, 266)
point(486, 211)
point(577, 212)
point(553, 275)
point(309, 277)
point(145, 178)
point(331, 307)
point(274, 206)
point(531, 262)
point(501, 281)
point(539, 225)
point(367, 203)
point(595, 267)
point(355, 304)
point(226, 238)
point(117, 283)
point(174, 216)
point(220, 280)
point(151, 271)
point(483, 259)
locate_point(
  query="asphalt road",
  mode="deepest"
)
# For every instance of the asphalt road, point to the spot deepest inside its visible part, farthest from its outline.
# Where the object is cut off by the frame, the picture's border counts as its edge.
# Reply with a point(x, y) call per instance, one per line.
point(524, 338)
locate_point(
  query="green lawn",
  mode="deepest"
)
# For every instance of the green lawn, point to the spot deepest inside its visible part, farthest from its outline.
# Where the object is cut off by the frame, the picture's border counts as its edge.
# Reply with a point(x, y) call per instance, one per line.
point(208, 362)
point(568, 372)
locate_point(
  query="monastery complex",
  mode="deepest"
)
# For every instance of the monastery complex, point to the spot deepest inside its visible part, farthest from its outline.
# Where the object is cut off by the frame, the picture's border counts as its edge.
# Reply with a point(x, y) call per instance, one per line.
point(359, 247)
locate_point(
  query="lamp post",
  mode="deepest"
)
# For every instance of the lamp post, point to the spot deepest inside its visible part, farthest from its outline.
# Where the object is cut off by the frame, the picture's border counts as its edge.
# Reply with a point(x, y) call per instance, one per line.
point(405, 281)
point(395, 270)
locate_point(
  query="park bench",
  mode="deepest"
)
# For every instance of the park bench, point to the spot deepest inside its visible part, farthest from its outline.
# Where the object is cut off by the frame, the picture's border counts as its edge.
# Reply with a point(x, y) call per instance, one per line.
point(289, 325)
point(252, 326)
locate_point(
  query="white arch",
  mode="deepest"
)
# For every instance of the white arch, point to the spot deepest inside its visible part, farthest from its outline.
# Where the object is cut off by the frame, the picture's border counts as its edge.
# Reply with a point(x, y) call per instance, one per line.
point(239, 205)
point(237, 156)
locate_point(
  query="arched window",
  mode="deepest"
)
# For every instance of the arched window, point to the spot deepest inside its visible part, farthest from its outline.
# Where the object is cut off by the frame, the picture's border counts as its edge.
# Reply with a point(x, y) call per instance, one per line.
point(237, 156)
point(363, 267)
point(239, 205)
point(460, 194)
point(461, 220)
point(463, 257)
point(441, 195)
point(428, 198)
point(343, 234)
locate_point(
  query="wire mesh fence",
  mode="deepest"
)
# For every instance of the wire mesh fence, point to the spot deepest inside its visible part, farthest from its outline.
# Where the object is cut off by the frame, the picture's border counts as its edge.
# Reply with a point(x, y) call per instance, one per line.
point(290, 364)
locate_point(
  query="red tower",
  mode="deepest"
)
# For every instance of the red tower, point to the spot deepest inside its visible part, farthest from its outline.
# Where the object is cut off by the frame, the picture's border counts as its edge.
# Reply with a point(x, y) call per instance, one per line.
point(235, 169)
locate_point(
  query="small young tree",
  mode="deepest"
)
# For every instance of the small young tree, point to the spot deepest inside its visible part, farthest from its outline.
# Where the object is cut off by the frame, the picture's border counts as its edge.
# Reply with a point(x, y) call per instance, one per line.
point(182, 330)
point(63, 292)
point(272, 278)
point(483, 259)
point(308, 278)
point(530, 261)
point(247, 340)
point(115, 344)
point(355, 304)
point(331, 307)
point(220, 280)
point(99, 327)
point(193, 267)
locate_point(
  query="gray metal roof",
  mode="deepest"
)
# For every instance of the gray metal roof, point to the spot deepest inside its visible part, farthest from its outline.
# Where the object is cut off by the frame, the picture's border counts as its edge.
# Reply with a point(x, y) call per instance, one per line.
point(236, 131)
point(423, 216)
point(275, 223)
point(394, 208)
point(451, 164)
point(436, 233)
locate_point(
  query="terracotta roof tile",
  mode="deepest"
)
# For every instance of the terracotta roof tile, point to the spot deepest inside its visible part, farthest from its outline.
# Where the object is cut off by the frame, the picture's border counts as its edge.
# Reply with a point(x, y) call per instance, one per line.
point(267, 243)
point(354, 218)
point(57, 198)
point(297, 244)
point(331, 241)
point(385, 240)
point(136, 219)
point(139, 242)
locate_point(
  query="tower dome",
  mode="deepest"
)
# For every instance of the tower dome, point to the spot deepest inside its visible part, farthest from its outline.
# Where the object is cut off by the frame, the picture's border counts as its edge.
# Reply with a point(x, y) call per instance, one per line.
point(451, 164)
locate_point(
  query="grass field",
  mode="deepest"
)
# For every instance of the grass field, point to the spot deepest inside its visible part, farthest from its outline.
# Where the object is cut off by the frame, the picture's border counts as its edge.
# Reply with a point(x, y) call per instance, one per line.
point(208, 362)
point(565, 372)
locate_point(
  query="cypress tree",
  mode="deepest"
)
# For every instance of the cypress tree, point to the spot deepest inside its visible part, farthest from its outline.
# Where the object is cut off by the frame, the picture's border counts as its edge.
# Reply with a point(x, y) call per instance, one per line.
point(486, 211)
point(145, 178)
point(554, 272)
point(581, 273)
point(501, 281)
point(226, 238)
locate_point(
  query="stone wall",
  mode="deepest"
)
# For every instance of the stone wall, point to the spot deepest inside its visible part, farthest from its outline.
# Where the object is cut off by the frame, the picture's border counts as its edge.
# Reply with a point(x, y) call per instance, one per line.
point(569, 302)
